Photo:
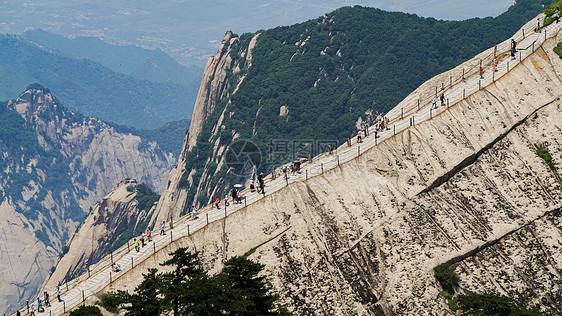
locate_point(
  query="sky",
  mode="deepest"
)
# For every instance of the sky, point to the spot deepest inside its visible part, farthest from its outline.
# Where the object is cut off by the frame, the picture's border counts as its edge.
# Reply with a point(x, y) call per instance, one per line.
point(190, 30)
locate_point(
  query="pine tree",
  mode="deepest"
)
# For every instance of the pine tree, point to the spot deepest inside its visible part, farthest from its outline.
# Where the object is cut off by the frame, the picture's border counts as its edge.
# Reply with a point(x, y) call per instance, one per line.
point(147, 299)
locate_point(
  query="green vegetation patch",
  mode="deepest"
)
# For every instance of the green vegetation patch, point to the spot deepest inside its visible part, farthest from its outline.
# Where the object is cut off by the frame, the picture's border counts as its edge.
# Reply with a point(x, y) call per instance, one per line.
point(545, 155)
point(494, 304)
point(109, 301)
point(558, 49)
point(86, 311)
point(447, 277)
point(188, 290)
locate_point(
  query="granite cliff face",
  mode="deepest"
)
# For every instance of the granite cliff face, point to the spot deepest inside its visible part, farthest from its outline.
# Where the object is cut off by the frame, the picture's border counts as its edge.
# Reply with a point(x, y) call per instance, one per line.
point(118, 217)
point(56, 164)
point(214, 89)
point(466, 187)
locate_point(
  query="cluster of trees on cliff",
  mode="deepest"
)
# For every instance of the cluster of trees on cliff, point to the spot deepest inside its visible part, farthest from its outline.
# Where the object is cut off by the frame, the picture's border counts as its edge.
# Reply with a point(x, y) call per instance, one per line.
point(188, 290)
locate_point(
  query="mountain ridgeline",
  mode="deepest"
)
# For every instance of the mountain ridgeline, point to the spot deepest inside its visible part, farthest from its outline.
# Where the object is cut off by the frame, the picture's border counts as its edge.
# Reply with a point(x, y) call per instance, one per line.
point(88, 87)
point(316, 82)
point(55, 165)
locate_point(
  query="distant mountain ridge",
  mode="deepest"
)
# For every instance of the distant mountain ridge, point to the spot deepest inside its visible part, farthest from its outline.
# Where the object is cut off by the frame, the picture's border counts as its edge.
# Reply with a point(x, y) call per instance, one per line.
point(143, 64)
point(88, 87)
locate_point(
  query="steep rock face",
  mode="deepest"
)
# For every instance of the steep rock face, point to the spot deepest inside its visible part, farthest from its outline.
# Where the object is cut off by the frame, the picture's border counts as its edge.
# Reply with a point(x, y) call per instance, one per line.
point(468, 184)
point(55, 165)
point(117, 217)
point(214, 88)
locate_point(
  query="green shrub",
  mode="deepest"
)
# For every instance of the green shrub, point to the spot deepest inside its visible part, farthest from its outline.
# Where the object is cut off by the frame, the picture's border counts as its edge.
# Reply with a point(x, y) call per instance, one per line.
point(447, 277)
point(86, 311)
point(494, 304)
point(545, 155)
point(110, 301)
point(558, 49)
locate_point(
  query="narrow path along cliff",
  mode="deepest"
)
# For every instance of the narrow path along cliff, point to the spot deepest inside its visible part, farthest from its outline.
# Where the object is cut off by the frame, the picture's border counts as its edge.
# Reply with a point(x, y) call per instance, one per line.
point(358, 231)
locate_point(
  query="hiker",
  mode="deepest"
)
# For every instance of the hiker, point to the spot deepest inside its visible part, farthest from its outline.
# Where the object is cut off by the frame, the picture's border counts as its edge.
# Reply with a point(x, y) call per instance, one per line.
point(148, 234)
point(513, 48)
point(162, 228)
point(262, 184)
point(252, 185)
point(115, 267)
point(58, 294)
point(539, 25)
point(234, 194)
point(481, 72)
point(142, 235)
point(18, 312)
point(442, 99)
point(32, 310)
point(217, 202)
point(40, 308)
point(557, 15)
point(136, 244)
point(46, 299)
point(495, 65)
point(359, 136)
point(238, 196)
point(193, 212)
point(433, 103)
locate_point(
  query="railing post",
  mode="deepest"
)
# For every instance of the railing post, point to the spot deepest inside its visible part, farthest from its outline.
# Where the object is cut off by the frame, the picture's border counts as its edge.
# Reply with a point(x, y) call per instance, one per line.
point(88, 271)
point(463, 94)
point(63, 306)
point(418, 104)
point(463, 74)
point(188, 234)
point(338, 158)
point(132, 263)
point(430, 113)
point(493, 76)
point(479, 84)
point(66, 281)
point(401, 113)
point(519, 56)
point(451, 81)
point(442, 86)
point(208, 217)
point(413, 121)
point(394, 130)
point(154, 246)
point(306, 171)
point(322, 167)
point(110, 279)
point(435, 90)
point(112, 253)
point(171, 233)
point(27, 304)
point(128, 249)
point(83, 298)
point(533, 47)
point(447, 103)
point(523, 33)
point(359, 150)
point(508, 66)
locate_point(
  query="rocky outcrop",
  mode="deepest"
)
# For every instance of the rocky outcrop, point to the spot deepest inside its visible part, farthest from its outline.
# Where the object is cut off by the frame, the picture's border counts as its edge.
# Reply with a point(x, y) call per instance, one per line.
point(214, 89)
point(466, 186)
point(59, 164)
point(112, 222)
